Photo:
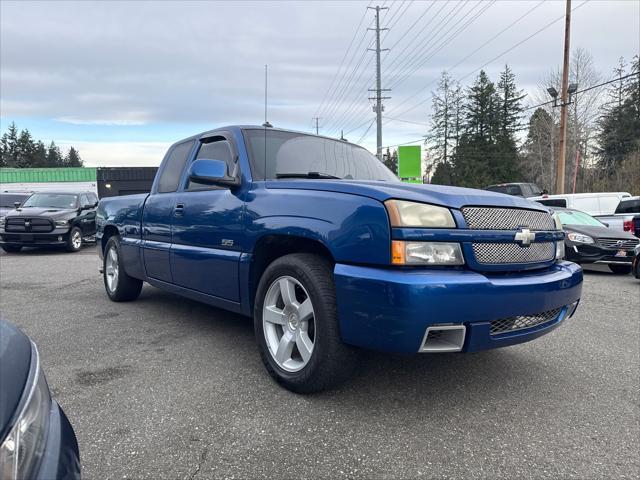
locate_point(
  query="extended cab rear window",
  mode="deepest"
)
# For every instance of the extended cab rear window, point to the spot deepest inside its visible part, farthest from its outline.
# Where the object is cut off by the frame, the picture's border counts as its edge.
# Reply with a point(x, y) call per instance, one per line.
point(629, 206)
point(170, 175)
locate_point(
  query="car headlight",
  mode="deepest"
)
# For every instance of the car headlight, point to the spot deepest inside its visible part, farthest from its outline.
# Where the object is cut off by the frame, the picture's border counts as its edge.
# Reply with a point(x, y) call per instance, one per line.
point(413, 214)
point(62, 223)
point(22, 450)
point(426, 253)
point(1, 220)
point(579, 238)
point(556, 219)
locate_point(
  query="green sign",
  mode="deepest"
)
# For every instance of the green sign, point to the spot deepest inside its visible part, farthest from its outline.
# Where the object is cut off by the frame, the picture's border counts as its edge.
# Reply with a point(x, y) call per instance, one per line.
point(409, 162)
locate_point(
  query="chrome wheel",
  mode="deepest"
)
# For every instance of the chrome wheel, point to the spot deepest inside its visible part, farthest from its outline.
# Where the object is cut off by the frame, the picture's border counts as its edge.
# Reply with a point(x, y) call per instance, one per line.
point(289, 323)
point(76, 239)
point(111, 269)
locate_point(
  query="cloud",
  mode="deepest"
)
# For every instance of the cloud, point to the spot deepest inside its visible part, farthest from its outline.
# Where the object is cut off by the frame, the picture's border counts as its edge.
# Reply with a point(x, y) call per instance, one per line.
point(118, 154)
point(144, 64)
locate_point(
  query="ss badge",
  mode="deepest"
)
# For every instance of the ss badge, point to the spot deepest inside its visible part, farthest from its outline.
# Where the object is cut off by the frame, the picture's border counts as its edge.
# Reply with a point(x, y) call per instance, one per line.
point(226, 242)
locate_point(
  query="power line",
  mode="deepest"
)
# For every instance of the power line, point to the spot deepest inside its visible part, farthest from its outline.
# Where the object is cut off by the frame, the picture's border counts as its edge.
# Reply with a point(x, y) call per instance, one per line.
point(481, 67)
point(427, 43)
point(364, 15)
point(446, 41)
point(351, 112)
point(616, 79)
point(348, 88)
point(366, 131)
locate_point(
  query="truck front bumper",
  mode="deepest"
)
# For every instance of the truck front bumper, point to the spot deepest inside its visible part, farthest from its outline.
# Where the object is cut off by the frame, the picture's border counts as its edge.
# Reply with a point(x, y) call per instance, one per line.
point(391, 309)
point(58, 236)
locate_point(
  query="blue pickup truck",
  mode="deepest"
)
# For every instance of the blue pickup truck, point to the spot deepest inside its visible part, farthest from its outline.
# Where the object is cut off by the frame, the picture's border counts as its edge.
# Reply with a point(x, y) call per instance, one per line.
point(322, 245)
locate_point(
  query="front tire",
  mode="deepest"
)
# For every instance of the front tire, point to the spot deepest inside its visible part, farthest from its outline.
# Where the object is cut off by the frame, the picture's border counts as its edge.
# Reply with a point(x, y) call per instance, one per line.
point(120, 287)
point(296, 325)
point(620, 269)
point(74, 242)
point(11, 248)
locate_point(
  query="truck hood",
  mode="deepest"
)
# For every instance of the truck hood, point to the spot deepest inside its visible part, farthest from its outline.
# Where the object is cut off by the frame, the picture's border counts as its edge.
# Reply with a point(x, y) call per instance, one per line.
point(53, 213)
point(453, 197)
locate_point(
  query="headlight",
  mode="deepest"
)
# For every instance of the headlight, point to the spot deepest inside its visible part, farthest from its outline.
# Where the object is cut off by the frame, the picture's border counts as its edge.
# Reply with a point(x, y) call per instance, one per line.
point(556, 219)
point(22, 450)
point(560, 250)
point(426, 253)
point(62, 223)
point(579, 238)
point(412, 214)
point(1, 220)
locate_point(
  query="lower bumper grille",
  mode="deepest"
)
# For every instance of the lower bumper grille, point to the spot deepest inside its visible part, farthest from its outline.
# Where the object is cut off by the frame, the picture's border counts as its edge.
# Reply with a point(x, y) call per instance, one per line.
point(501, 253)
point(523, 321)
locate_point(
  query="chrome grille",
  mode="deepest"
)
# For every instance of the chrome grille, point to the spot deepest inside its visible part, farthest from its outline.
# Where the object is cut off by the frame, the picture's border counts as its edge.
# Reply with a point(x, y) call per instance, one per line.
point(22, 224)
point(523, 321)
point(489, 218)
point(501, 253)
point(618, 244)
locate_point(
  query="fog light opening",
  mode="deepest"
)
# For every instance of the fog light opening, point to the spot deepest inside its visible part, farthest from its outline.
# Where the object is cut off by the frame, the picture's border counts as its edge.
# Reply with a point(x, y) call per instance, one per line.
point(59, 238)
point(443, 338)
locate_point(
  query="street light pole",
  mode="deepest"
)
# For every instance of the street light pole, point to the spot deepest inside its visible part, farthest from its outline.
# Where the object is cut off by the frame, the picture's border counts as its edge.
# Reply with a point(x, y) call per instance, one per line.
point(560, 171)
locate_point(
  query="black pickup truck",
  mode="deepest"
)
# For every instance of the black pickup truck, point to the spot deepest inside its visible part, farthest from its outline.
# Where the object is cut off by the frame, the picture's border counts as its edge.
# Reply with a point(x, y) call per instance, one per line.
point(48, 219)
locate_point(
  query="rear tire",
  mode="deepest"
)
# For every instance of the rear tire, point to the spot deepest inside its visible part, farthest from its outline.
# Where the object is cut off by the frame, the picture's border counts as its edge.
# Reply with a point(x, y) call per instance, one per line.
point(11, 248)
point(299, 342)
point(119, 286)
point(74, 242)
point(620, 269)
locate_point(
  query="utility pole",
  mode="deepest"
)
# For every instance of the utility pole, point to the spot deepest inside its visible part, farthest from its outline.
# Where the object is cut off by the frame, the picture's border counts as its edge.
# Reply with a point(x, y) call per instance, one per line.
point(317, 127)
point(560, 171)
point(378, 107)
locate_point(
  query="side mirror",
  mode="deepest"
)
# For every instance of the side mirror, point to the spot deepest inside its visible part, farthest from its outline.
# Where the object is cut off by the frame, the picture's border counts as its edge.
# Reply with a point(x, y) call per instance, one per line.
point(16, 204)
point(212, 172)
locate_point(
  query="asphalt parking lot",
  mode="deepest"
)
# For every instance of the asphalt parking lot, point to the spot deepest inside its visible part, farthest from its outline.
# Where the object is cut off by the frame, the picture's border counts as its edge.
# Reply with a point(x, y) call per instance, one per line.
point(164, 387)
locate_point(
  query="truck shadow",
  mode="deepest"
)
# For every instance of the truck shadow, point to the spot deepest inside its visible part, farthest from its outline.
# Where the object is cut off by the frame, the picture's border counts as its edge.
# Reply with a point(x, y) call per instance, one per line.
point(406, 381)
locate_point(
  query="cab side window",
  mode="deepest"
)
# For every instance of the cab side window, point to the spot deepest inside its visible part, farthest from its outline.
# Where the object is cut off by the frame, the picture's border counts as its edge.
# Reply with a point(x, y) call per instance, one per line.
point(170, 176)
point(84, 200)
point(214, 149)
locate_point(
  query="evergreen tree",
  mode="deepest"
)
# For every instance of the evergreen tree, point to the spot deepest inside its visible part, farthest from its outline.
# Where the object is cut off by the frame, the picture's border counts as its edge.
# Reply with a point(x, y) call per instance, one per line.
point(9, 146)
point(442, 119)
point(54, 157)
point(39, 154)
point(24, 150)
point(73, 158)
point(21, 150)
point(510, 114)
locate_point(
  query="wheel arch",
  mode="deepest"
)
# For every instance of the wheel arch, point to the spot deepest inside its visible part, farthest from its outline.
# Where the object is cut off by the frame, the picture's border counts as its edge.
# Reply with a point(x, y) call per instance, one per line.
point(273, 246)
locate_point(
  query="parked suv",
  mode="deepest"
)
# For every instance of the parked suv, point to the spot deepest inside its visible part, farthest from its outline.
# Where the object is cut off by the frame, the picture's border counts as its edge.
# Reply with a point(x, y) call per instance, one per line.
point(326, 249)
point(50, 218)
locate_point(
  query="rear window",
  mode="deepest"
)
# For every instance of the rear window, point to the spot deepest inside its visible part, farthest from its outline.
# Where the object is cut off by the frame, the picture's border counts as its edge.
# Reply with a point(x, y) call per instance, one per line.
point(508, 189)
point(553, 202)
point(170, 176)
point(629, 206)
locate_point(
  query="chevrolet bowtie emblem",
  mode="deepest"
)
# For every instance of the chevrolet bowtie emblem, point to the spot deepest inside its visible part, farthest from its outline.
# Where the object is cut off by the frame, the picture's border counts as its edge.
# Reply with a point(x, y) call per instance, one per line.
point(525, 236)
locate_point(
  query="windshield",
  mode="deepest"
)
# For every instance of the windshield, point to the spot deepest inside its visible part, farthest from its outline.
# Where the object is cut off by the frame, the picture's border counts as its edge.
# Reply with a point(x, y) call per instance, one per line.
point(8, 199)
point(290, 154)
point(572, 217)
point(52, 200)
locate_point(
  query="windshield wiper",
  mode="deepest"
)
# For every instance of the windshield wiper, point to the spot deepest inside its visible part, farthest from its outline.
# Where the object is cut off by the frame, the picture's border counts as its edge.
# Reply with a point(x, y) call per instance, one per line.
point(307, 175)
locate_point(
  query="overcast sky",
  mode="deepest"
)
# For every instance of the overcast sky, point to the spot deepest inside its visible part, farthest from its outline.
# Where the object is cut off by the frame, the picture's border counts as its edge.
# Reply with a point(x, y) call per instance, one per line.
point(123, 80)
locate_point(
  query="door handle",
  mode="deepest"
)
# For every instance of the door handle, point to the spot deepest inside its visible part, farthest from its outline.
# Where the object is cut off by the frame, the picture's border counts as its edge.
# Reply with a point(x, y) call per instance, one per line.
point(178, 211)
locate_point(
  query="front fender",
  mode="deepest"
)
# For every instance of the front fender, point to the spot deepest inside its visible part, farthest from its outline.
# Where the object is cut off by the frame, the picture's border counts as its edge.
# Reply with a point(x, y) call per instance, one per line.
point(354, 229)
